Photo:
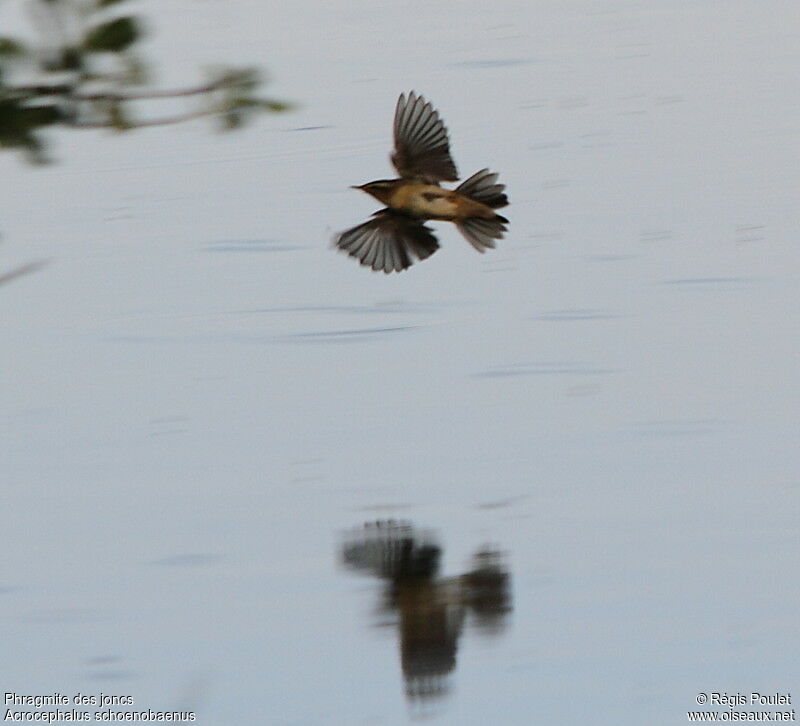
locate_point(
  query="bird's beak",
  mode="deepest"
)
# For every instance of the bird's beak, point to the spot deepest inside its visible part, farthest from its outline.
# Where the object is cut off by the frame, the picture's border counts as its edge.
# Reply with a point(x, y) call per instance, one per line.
point(354, 187)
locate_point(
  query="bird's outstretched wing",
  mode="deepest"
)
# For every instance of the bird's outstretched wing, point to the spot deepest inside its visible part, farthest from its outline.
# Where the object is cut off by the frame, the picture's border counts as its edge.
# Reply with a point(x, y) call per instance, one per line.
point(390, 242)
point(421, 146)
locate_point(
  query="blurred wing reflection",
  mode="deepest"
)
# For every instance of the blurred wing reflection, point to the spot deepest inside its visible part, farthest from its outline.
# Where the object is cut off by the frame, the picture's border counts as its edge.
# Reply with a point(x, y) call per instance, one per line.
point(430, 611)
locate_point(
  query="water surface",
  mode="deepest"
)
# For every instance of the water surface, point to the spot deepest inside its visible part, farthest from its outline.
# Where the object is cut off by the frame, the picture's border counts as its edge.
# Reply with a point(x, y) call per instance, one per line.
point(199, 396)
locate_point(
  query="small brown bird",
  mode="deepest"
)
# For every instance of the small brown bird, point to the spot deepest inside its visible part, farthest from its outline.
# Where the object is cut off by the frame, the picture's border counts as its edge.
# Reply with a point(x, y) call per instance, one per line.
point(397, 234)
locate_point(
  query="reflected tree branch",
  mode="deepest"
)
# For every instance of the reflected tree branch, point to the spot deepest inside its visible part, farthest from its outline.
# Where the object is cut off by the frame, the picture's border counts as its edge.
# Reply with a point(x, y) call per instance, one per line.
point(25, 269)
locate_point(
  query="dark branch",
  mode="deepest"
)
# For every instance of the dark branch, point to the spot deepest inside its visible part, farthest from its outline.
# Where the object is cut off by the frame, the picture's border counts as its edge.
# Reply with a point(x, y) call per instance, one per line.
point(22, 270)
point(164, 121)
point(65, 89)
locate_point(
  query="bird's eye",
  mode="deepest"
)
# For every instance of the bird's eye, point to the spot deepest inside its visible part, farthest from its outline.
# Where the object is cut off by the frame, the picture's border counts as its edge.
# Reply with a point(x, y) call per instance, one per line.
point(430, 196)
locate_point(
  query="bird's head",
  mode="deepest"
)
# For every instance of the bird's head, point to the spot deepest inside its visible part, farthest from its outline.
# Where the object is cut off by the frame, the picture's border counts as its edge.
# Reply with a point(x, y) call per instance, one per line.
point(381, 189)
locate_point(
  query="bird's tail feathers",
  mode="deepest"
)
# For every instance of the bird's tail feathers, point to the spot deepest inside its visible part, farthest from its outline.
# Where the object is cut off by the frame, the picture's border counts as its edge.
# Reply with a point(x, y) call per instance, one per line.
point(483, 187)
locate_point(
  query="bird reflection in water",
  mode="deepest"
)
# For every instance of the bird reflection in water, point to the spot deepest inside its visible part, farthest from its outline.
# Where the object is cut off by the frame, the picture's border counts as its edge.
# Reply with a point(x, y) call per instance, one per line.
point(430, 611)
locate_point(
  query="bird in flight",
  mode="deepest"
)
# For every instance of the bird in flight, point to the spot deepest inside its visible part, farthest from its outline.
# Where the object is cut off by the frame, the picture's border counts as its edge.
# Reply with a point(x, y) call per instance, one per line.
point(397, 235)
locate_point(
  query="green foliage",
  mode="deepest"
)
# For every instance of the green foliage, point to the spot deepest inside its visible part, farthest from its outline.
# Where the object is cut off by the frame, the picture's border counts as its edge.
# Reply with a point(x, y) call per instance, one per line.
point(90, 76)
point(235, 102)
point(113, 36)
point(9, 47)
point(65, 59)
point(19, 124)
point(133, 70)
point(117, 116)
point(275, 106)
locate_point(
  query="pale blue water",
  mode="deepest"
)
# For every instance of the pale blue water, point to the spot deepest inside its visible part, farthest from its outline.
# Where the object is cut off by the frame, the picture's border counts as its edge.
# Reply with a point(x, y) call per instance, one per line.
point(199, 395)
